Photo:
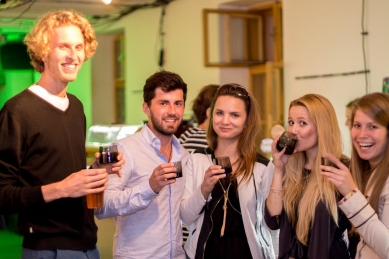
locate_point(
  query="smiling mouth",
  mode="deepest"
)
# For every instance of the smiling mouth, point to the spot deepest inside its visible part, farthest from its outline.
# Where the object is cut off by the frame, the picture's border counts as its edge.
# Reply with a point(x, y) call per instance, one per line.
point(171, 119)
point(366, 145)
point(70, 66)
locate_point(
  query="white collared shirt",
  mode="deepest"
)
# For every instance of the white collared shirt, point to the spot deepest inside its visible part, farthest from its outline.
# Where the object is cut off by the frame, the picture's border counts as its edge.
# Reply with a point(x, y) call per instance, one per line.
point(147, 224)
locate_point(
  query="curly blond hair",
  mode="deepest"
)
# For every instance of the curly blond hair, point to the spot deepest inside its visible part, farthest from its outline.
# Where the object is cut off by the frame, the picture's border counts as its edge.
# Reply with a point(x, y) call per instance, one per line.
point(38, 39)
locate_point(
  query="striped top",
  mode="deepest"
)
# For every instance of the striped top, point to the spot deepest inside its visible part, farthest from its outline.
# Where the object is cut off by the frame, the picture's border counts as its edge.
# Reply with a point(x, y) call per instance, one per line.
point(193, 138)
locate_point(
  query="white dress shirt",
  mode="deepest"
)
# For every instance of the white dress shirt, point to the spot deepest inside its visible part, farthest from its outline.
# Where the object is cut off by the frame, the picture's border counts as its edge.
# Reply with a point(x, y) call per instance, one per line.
point(147, 224)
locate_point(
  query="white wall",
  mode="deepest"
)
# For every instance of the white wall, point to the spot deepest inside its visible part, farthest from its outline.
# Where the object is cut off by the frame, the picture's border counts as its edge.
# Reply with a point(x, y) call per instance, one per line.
point(323, 37)
point(183, 50)
point(320, 37)
point(103, 81)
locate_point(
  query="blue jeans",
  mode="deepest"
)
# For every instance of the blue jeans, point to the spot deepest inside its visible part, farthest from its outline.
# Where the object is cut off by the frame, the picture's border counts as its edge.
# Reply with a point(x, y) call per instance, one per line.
point(60, 254)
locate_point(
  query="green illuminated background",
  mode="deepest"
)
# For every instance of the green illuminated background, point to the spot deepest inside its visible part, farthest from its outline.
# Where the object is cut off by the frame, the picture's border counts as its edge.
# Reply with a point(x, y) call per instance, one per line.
point(18, 80)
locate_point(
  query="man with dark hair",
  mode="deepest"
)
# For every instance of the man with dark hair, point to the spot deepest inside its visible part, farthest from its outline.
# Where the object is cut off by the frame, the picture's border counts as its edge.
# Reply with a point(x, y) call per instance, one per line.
point(146, 200)
point(43, 175)
point(196, 137)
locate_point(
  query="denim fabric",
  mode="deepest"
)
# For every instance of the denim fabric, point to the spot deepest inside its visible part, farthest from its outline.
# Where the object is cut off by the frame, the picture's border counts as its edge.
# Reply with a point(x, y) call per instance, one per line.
point(60, 254)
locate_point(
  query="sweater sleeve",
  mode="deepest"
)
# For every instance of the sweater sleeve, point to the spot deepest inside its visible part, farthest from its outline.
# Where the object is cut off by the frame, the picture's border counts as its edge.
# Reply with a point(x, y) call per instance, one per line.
point(272, 221)
point(373, 229)
point(15, 193)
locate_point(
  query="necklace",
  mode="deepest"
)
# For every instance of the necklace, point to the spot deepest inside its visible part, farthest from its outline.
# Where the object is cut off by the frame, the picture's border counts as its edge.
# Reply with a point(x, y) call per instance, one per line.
point(225, 194)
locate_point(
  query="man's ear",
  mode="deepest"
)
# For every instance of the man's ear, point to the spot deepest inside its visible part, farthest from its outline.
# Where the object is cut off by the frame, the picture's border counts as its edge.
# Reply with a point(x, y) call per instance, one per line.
point(146, 108)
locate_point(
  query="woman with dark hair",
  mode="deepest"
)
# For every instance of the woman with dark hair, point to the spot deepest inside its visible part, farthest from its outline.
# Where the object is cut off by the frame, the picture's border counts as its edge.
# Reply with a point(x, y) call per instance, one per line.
point(349, 109)
point(224, 211)
point(302, 203)
point(366, 188)
point(196, 137)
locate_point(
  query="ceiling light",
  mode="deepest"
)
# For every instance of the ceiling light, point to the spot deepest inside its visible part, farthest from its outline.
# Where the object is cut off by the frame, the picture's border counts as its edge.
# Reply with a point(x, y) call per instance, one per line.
point(106, 1)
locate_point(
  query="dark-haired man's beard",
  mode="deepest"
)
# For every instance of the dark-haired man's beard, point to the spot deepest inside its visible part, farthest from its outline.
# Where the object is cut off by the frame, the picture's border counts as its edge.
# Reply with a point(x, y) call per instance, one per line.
point(166, 130)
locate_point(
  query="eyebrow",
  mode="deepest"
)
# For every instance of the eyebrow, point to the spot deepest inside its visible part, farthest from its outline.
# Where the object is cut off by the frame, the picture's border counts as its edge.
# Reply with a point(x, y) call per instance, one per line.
point(216, 109)
point(166, 100)
point(300, 118)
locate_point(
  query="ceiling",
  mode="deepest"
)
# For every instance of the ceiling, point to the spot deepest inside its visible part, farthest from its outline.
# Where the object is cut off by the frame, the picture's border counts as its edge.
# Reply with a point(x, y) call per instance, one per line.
point(19, 15)
point(31, 9)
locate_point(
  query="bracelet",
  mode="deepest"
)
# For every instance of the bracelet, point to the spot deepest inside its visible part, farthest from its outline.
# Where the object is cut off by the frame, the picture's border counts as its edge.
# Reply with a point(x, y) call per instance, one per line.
point(348, 196)
point(276, 190)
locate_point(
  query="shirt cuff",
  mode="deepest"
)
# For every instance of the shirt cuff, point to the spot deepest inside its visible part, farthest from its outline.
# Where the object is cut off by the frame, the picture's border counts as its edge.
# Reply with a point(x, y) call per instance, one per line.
point(357, 209)
point(348, 196)
point(145, 190)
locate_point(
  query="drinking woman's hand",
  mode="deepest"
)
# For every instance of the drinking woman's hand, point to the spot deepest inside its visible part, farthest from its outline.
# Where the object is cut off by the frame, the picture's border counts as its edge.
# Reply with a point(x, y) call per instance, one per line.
point(279, 158)
point(211, 177)
point(340, 175)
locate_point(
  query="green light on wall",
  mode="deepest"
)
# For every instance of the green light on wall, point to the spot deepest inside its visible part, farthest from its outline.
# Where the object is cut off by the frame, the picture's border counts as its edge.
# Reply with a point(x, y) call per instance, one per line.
point(15, 37)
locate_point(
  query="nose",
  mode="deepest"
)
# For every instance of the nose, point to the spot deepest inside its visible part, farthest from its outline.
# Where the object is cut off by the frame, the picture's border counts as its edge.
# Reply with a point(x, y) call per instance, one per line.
point(293, 129)
point(72, 53)
point(226, 119)
point(362, 132)
point(172, 109)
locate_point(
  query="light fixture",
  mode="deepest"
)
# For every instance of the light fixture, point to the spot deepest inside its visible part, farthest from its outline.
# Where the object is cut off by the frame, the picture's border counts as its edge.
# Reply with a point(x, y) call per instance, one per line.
point(107, 2)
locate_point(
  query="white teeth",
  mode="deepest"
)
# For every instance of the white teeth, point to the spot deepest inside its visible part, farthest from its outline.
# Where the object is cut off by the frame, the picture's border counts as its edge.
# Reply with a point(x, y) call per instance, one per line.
point(366, 144)
point(70, 66)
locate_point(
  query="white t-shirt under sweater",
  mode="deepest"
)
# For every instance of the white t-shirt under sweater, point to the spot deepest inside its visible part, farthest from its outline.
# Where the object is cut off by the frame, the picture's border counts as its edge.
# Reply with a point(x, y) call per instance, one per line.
point(61, 103)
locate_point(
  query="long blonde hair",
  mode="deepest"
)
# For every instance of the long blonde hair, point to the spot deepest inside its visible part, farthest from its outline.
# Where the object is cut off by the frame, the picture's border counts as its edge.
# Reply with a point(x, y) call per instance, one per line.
point(300, 203)
point(376, 106)
point(246, 144)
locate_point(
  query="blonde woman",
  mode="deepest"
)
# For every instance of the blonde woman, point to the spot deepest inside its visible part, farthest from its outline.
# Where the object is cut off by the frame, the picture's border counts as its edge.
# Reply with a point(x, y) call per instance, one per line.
point(301, 202)
point(224, 212)
point(369, 167)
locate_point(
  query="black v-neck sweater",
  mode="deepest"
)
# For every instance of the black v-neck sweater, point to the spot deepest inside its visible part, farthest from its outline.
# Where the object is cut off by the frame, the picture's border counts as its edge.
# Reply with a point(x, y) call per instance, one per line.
point(39, 145)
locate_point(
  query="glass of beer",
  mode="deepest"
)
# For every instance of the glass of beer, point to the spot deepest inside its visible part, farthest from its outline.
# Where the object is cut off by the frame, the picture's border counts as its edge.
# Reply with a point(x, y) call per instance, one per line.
point(287, 140)
point(225, 163)
point(95, 200)
point(178, 167)
point(108, 154)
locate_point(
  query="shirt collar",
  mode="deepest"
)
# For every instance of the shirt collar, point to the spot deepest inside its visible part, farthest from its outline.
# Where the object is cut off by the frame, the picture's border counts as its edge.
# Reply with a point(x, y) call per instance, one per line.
point(153, 141)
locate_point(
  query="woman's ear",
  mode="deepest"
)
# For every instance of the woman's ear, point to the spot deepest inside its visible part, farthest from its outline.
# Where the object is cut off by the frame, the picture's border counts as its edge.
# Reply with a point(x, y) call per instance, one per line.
point(208, 112)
